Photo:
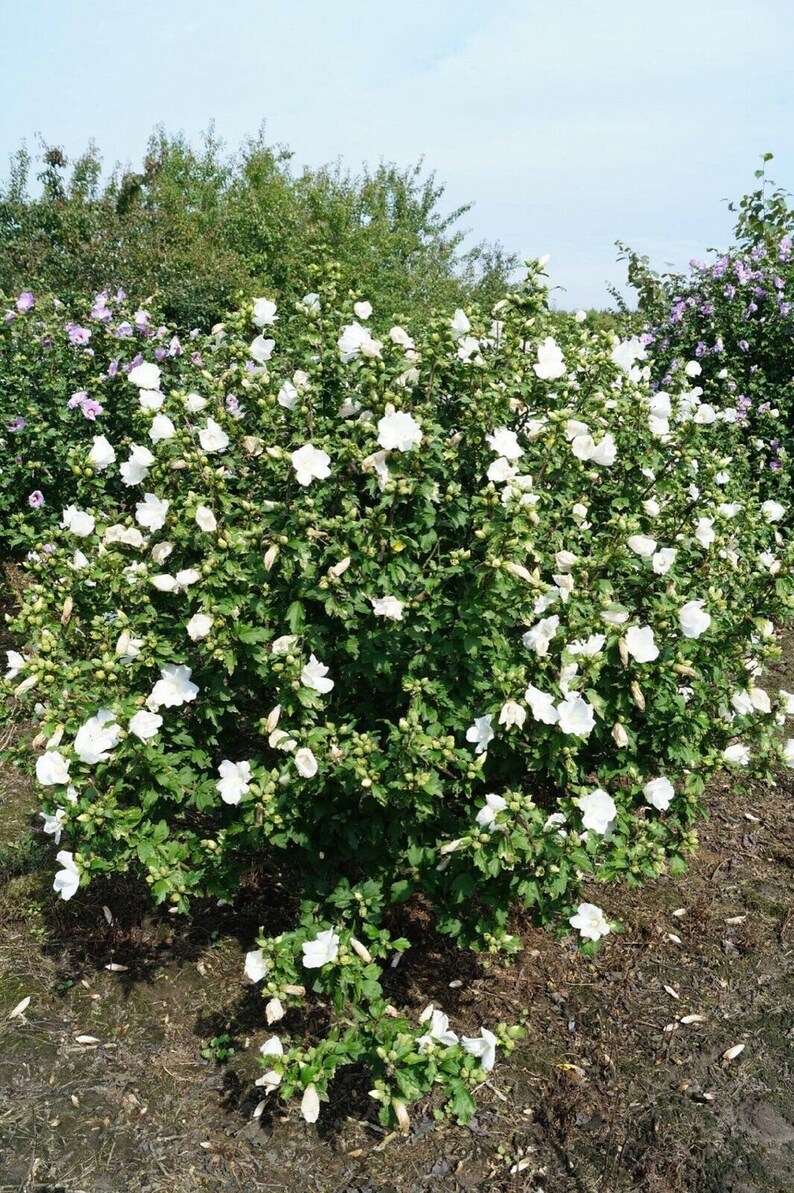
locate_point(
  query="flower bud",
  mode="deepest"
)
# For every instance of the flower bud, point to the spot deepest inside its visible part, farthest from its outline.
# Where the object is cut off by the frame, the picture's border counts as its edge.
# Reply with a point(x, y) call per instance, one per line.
point(270, 557)
point(340, 568)
point(637, 696)
point(619, 735)
point(361, 950)
point(274, 1010)
point(624, 652)
point(402, 1116)
point(516, 569)
point(452, 846)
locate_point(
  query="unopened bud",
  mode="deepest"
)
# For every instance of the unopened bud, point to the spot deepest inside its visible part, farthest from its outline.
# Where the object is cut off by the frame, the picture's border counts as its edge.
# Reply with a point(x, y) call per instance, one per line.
point(619, 735)
point(452, 846)
point(637, 696)
point(402, 1116)
point(274, 1010)
point(340, 568)
point(361, 950)
point(517, 569)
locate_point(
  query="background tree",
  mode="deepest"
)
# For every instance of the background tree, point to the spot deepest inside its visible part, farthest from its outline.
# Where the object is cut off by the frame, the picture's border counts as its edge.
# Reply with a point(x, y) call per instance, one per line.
point(199, 226)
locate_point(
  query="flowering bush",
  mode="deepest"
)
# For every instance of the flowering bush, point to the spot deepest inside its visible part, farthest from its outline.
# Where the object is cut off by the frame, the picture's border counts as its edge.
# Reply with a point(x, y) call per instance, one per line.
point(63, 386)
point(462, 614)
point(729, 325)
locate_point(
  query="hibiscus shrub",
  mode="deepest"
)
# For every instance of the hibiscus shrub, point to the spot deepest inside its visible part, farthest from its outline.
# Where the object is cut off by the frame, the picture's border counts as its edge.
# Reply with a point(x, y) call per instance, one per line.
point(729, 324)
point(464, 614)
point(63, 386)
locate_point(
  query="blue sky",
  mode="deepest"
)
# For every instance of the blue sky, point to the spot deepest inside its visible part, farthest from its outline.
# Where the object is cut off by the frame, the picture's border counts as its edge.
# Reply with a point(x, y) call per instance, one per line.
point(571, 123)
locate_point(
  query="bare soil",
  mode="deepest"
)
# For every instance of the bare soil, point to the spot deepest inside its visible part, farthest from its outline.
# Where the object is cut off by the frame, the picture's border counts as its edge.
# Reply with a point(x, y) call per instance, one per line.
point(610, 1092)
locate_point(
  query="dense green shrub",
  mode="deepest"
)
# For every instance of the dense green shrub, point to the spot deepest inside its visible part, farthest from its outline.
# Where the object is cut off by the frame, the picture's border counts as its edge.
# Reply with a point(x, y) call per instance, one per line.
point(458, 612)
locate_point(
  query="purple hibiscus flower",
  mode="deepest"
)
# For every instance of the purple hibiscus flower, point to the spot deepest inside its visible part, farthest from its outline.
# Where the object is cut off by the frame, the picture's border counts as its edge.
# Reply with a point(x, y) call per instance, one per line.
point(91, 409)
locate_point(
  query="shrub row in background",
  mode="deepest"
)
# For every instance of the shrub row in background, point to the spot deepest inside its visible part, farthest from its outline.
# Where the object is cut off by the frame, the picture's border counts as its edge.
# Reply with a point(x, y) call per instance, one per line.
point(199, 226)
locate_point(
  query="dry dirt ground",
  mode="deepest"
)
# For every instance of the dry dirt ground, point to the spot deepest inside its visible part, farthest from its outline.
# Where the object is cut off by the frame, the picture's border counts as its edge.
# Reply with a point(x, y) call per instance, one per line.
point(610, 1091)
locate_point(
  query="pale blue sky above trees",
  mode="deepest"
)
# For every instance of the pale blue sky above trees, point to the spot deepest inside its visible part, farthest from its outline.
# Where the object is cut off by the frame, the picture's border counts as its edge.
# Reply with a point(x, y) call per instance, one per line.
point(571, 123)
